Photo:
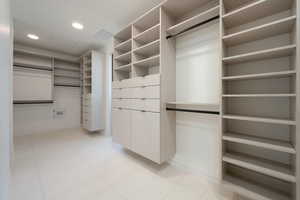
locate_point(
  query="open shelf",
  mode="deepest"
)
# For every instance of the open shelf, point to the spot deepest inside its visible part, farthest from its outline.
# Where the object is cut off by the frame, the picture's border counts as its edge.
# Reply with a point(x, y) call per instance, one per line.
point(148, 35)
point(260, 119)
point(256, 95)
point(261, 8)
point(124, 46)
point(259, 55)
point(126, 57)
point(148, 62)
point(146, 21)
point(270, 168)
point(125, 68)
point(259, 32)
point(33, 66)
point(67, 76)
point(253, 190)
point(149, 49)
point(261, 75)
point(206, 15)
point(230, 5)
point(275, 145)
point(123, 36)
point(67, 69)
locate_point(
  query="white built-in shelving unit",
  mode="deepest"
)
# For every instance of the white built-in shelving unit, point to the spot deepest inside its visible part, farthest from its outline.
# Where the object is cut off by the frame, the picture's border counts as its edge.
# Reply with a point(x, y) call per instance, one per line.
point(140, 86)
point(259, 103)
point(66, 73)
point(92, 83)
point(37, 72)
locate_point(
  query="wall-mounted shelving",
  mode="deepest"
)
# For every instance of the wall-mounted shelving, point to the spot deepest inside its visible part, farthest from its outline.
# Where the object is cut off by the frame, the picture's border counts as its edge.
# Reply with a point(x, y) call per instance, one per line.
point(66, 73)
point(259, 98)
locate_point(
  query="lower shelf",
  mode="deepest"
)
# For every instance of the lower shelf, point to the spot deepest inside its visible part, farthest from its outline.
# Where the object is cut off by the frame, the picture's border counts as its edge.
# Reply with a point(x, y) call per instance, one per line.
point(260, 119)
point(275, 145)
point(252, 190)
point(270, 168)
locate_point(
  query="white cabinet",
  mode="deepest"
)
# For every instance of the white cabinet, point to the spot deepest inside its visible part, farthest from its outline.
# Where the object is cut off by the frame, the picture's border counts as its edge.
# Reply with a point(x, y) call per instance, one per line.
point(121, 133)
point(146, 134)
point(93, 104)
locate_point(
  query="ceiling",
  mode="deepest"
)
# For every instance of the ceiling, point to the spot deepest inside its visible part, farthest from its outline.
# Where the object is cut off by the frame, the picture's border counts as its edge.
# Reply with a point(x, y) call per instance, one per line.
point(51, 21)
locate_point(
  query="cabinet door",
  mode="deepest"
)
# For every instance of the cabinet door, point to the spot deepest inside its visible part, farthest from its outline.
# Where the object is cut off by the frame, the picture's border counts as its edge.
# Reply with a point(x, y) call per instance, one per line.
point(121, 127)
point(146, 134)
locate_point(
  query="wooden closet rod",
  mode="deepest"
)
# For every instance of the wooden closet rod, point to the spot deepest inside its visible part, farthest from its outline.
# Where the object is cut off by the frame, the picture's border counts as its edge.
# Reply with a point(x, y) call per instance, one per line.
point(195, 26)
point(194, 111)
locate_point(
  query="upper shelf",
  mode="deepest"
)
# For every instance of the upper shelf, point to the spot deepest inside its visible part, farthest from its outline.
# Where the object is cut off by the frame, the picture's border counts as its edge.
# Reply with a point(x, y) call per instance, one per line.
point(124, 46)
point(263, 54)
point(267, 30)
point(123, 35)
point(261, 8)
point(148, 49)
point(148, 35)
point(213, 12)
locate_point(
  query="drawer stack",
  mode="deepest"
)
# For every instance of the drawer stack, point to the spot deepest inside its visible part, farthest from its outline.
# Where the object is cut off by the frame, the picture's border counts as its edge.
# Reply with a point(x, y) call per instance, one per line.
point(136, 108)
point(139, 93)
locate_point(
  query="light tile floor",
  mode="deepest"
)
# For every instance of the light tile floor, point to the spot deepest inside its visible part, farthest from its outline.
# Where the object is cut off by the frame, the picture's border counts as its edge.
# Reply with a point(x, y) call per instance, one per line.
point(73, 165)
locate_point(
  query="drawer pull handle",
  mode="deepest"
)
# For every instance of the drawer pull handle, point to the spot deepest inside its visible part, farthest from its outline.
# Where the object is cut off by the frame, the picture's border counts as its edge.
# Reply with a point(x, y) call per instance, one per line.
point(143, 110)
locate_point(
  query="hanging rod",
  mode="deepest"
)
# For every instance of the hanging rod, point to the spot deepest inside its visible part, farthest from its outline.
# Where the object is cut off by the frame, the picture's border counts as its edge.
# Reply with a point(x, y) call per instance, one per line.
point(65, 85)
point(194, 111)
point(195, 26)
point(34, 102)
point(33, 67)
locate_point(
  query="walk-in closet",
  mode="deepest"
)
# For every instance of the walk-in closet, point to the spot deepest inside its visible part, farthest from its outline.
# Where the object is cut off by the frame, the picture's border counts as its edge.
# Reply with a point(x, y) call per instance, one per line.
point(150, 99)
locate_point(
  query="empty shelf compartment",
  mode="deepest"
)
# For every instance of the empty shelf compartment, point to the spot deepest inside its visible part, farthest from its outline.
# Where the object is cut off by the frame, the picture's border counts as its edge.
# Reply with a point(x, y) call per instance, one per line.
point(264, 166)
point(261, 54)
point(261, 8)
point(194, 20)
point(273, 28)
point(267, 143)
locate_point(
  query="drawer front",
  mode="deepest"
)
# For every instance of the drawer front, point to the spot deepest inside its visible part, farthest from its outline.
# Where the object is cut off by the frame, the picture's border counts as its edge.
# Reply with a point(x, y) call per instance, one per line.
point(137, 92)
point(116, 84)
point(152, 105)
point(126, 93)
point(137, 82)
point(151, 92)
point(116, 93)
point(116, 103)
point(151, 80)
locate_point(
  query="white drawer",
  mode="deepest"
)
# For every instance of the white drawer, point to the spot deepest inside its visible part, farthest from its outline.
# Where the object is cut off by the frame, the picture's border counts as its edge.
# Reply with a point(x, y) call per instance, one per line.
point(116, 84)
point(137, 82)
point(151, 92)
point(137, 92)
point(126, 93)
point(116, 93)
point(116, 103)
point(152, 105)
point(137, 104)
point(125, 83)
point(151, 80)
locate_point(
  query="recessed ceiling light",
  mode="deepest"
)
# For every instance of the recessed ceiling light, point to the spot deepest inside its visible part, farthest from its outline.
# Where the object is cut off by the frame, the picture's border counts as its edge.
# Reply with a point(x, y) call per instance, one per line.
point(33, 37)
point(77, 25)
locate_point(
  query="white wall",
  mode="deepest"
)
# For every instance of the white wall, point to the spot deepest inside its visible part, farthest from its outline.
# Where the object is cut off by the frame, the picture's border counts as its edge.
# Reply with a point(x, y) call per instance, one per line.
point(198, 137)
point(41, 118)
point(5, 96)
